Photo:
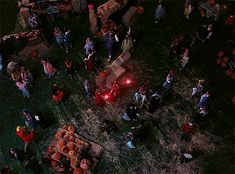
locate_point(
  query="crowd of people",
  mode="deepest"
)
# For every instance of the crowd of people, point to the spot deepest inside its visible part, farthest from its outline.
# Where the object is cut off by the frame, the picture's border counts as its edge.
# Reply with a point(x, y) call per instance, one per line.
point(144, 99)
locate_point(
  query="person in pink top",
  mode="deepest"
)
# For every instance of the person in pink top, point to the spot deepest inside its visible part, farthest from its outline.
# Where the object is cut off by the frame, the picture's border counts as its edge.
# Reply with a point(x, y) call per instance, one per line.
point(22, 85)
point(48, 68)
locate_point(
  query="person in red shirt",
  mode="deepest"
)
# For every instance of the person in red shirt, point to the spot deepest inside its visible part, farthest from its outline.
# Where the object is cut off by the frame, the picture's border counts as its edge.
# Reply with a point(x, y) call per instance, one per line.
point(115, 91)
point(188, 130)
point(89, 61)
point(98, 98)
point(26, 137)
point(57, 94)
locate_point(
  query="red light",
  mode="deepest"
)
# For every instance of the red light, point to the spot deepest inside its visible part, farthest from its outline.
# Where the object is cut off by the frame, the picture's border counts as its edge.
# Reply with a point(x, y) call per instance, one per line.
point(128, 81)
point(106, 96)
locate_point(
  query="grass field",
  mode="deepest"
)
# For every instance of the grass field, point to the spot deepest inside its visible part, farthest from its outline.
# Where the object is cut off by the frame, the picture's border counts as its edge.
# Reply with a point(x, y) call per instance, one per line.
point(158, 152)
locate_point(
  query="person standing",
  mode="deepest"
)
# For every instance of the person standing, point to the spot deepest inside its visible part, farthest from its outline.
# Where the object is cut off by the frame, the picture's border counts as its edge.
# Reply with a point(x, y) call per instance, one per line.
point(89, 46)
point(187, 8)
point(69, 67)
point(155, 101)
point(33, 21)
point(160, 12)
point(109, 38)
point(26, 137)
point(168, 84)
point(67, 41)
point(127, 44)
point(48, 68)
point(99, 98)
point(89, 61)
point(22, 85)
point(184, 59)
point(30, 119)
point(17, 154)
point(87, 88)
point(198, 88)
point(204, 100)
point(93, 19)
point(26, 75)
point(59, 37)
point(57, 94)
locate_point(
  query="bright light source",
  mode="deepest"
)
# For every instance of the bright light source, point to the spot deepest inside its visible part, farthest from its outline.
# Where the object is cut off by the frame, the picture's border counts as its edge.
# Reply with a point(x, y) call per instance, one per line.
point(128, 81)
point(106, 96)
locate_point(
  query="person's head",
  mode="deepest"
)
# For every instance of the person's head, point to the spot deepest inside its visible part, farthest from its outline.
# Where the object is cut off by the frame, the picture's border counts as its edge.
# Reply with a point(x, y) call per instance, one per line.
point(12, 150)
point(88, 40)
point(209, 27)
point(172, 72)
point(56, 29)
point(86, 82)
point(44, 60)
point(19, 128)
point(25, 112)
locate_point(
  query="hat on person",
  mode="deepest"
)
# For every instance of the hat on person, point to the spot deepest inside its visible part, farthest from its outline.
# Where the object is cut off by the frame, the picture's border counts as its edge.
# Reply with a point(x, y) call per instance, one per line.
point(18, 129)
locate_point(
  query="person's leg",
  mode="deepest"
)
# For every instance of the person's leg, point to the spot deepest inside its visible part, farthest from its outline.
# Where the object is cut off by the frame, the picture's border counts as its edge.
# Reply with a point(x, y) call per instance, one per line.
point(25, 92)
point(25, 147)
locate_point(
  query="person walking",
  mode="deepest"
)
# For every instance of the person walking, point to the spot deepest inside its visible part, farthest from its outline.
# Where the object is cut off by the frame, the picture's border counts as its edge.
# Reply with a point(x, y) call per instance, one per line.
point(160, 12)
point(22, 85)
point(67, 41)
point(48, 68)
point(59, 36)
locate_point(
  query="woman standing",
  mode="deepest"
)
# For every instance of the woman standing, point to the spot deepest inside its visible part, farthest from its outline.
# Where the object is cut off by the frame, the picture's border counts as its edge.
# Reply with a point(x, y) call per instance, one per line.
point(59, 37)
point(22, 85)
point(48, 68)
